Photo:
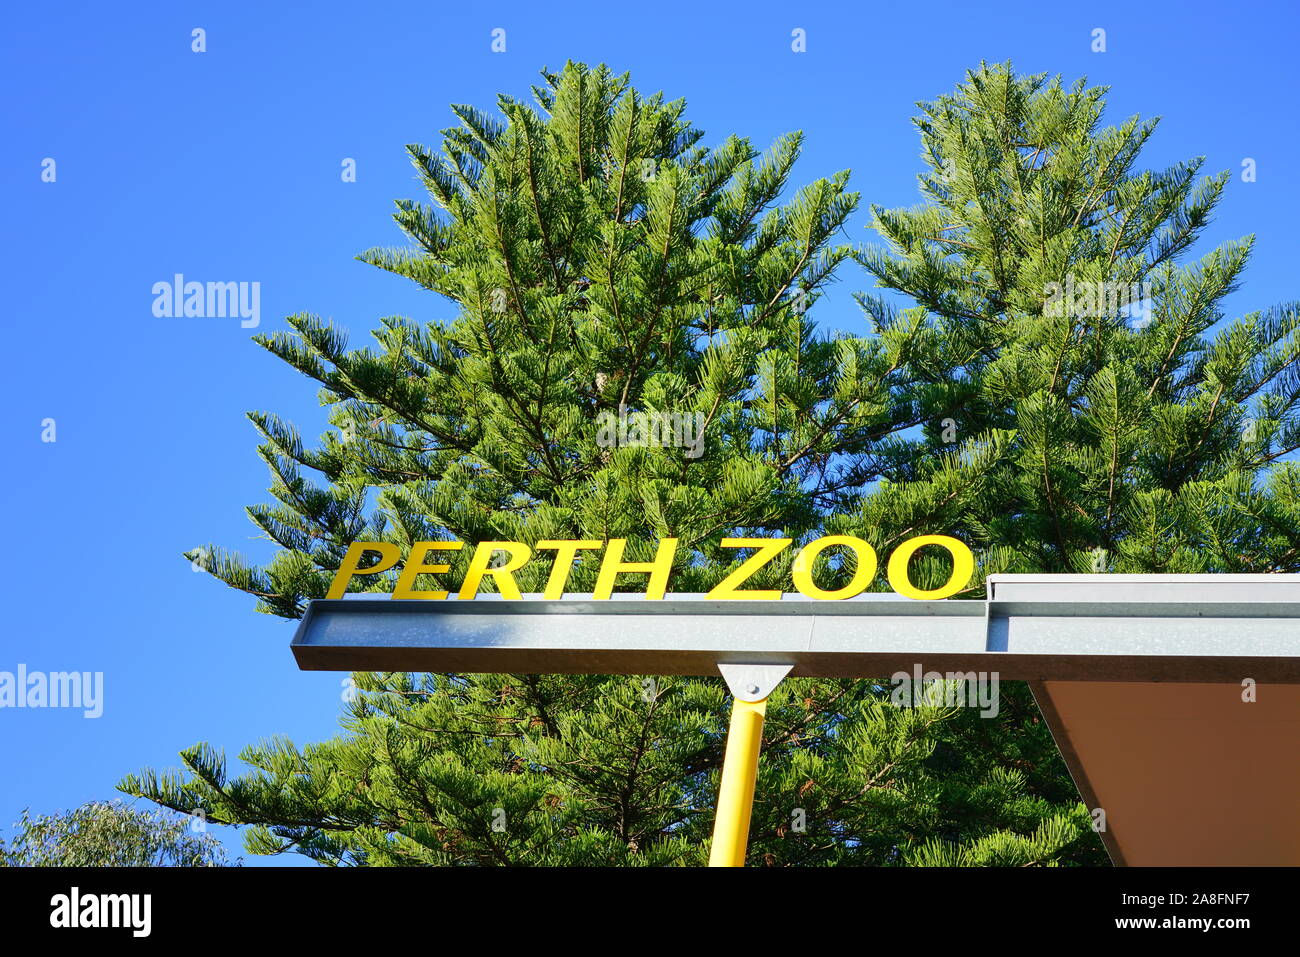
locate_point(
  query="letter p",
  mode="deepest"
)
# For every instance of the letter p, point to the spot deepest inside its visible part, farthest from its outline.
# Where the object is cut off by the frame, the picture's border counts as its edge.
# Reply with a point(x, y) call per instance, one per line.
point(388, 557)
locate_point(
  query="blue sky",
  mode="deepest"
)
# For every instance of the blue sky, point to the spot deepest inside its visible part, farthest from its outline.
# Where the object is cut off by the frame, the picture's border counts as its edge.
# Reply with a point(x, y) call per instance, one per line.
point(225, 166)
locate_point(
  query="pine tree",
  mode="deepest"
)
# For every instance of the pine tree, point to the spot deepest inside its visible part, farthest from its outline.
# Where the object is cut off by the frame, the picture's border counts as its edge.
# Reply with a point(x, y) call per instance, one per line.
point(1065, 347)
point(1080, 411)
point(601, 262)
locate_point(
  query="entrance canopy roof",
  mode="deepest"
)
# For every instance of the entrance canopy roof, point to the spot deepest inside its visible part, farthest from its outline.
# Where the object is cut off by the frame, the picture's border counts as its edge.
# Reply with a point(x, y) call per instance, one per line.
point(1032, 627)
point(1174, 699)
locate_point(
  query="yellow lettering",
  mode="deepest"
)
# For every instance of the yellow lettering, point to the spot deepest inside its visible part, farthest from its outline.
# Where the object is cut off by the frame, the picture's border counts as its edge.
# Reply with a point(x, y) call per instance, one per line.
point(803, 566)
point(388, 556)
point(963, 567)
point(768, 548)
point(565, 551)
point(415, 567)
point(503, 576)
point(613, 564)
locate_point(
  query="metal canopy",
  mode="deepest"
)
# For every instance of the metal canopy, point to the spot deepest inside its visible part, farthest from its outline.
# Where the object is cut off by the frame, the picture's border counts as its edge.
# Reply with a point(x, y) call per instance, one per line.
point(1189, 628)
point(1141, 678)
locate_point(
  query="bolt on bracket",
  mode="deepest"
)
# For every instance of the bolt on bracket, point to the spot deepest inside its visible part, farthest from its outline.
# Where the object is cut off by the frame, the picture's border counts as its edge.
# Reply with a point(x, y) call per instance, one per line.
point(753, 682)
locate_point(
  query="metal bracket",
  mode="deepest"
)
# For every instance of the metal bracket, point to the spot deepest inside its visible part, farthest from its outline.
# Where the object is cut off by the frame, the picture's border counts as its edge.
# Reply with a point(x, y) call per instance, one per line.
point(753, 682)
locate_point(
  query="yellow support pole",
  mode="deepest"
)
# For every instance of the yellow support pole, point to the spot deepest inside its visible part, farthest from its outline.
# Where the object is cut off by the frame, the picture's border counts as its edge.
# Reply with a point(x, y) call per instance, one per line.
point(736, 791)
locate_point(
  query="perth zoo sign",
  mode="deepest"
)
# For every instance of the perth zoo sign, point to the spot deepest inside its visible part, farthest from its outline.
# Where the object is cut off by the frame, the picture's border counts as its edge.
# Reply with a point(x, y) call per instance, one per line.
point(483, 564)
point(1174, 699)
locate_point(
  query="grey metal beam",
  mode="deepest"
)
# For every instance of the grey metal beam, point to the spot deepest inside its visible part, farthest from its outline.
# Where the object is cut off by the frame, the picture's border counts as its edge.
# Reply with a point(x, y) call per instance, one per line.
point(1034, 627)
